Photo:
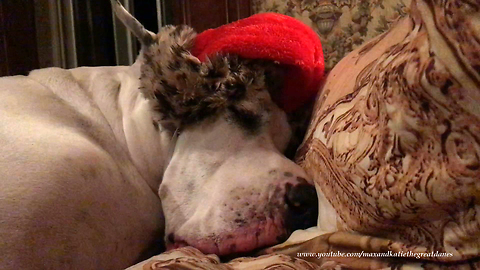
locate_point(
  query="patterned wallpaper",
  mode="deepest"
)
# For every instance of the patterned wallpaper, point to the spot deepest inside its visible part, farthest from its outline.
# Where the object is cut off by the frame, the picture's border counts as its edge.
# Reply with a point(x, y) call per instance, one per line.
point(342, 25)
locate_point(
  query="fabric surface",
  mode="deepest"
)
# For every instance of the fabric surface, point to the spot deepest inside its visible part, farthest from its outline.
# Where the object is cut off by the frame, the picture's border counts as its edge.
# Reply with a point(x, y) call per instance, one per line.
point(191, 258)
point(274, 37)
point(394, 142)
point(342, 25)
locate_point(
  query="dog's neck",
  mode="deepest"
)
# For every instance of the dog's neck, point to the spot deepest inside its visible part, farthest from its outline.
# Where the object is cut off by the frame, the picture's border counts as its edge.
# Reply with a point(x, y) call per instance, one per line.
point(116, 93)
point(149, 144)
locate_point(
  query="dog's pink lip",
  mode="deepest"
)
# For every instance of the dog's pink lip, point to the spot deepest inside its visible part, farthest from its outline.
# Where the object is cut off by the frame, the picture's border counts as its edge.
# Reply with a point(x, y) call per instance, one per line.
point(240, 240)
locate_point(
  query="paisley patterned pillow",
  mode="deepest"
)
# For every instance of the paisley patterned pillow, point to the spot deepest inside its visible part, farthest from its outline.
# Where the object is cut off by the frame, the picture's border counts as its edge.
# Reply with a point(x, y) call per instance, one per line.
point(394, 144)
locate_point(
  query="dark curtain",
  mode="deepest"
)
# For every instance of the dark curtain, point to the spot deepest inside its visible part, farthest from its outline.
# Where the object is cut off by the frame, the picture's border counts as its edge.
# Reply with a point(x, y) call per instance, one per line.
point(94, 38)
point(18, 42)
point(94, 30)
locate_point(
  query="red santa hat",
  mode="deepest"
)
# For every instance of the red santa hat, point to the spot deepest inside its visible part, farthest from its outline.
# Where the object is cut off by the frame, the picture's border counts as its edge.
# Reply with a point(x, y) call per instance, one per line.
point(273, 37)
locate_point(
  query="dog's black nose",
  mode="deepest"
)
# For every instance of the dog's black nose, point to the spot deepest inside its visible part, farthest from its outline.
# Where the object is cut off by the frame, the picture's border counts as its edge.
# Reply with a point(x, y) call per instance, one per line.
point(302, 205)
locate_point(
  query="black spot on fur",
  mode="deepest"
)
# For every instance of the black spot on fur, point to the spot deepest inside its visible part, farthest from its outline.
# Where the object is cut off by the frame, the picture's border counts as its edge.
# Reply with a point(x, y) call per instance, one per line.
point(240, 222)
point(174, 65)
point(247, 119)
point(178, 50)
point(215, 73)
point(169, 88)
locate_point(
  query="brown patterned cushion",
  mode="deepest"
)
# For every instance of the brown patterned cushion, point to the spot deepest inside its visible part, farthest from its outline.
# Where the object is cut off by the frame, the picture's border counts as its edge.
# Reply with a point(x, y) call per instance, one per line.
point(394, 144)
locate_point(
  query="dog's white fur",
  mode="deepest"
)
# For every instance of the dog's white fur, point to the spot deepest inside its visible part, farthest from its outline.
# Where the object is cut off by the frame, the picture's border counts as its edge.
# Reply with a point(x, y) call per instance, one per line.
point(70, 188)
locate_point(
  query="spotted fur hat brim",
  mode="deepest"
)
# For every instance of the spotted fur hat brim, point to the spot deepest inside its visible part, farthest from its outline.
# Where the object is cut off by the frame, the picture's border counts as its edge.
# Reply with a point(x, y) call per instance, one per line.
point(185, 90)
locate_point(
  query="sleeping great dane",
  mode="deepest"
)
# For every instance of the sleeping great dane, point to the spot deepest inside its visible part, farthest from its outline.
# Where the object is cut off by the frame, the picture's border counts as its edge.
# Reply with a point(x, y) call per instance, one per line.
point(97, 163)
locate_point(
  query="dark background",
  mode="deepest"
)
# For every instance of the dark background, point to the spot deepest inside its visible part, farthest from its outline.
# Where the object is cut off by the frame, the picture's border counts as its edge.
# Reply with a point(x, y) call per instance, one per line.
point(94, 38)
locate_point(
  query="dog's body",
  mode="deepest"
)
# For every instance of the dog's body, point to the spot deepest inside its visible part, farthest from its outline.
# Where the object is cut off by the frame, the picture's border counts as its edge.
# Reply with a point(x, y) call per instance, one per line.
point(69, 181)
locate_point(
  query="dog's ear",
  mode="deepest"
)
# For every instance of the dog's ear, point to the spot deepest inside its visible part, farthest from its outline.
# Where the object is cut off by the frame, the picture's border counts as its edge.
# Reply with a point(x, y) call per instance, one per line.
point(144, 36)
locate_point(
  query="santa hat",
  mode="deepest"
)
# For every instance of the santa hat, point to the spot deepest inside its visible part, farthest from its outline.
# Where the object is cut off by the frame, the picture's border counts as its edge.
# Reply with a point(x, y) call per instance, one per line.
point(275, 37)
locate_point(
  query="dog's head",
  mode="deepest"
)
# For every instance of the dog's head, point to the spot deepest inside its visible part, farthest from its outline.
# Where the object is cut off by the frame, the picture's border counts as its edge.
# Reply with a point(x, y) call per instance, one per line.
point(227, 188)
